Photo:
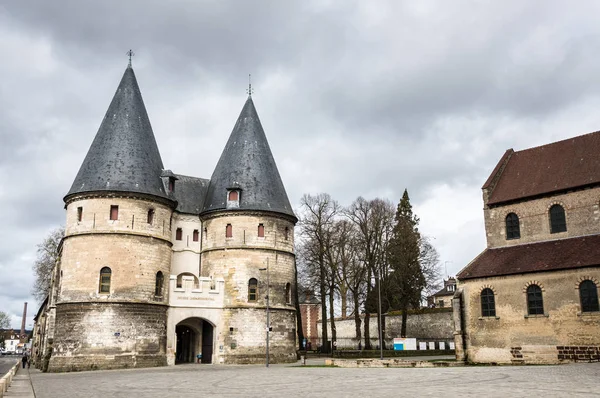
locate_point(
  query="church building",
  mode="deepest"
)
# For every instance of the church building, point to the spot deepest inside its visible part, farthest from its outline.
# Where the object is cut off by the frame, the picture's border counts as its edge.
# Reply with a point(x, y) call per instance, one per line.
point(159, 268)
point(532, 295)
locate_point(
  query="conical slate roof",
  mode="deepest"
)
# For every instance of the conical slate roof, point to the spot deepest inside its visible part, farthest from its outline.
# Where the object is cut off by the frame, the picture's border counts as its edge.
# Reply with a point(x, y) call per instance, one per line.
point(247, 164)
point(124, 156)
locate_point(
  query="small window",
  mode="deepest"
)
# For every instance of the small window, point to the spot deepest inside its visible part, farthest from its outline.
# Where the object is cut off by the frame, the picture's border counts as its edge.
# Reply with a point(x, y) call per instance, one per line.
point(261, 231)
point(558, 222)
point(105, 275)
point(588, 294)
point(233, 196)
point(286, 233)
point(79, 213)
point(488, 304)
point(228, 231)
point(205, 233)
point(441, 303)
point(535, 302)
point(196, 235)
point(150, 216)
point(288, 293)
point(114, 212)
point(252, 290)
point(171, 184)
point(513, 230)
point(178, 234)
point(158, 288)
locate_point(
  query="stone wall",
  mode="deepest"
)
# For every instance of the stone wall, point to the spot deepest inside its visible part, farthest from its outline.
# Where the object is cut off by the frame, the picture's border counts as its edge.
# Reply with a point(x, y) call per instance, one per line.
point(430, 325)
point(581, 211)
point(514, 336)
point(108, 335)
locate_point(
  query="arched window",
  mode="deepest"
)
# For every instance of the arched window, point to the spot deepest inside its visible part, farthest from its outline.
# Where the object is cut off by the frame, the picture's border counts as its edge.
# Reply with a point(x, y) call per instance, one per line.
point(158, 288)
point(512, 226)
point(288, 293)
point(488, 304)
point(228, 231)
point(233, 195)
point(261, 231)
point(105, 275)
point(535, 302)
point(558, 223)
point(252, 290)
point(588, 293)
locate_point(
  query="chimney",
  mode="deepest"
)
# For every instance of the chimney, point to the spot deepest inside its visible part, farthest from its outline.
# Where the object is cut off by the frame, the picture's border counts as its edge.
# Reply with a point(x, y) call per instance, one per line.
point(22, 337)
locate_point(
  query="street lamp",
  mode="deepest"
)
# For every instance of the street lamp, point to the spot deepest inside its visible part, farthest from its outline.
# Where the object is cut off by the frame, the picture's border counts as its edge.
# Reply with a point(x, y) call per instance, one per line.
point(268, 312)
point(380, 323)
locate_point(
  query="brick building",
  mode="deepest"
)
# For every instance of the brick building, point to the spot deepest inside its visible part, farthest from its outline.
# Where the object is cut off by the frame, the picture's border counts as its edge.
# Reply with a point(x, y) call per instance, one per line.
point(159, 267)
point(310, 312)
point(532, 295)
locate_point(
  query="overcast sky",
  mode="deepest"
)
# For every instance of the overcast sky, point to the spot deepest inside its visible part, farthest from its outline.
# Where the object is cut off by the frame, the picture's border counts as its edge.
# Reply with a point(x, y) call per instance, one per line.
point(357, 98)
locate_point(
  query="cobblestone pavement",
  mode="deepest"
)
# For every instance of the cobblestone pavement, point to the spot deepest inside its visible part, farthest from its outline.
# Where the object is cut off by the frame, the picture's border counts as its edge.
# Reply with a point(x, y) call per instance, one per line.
point(574, 380)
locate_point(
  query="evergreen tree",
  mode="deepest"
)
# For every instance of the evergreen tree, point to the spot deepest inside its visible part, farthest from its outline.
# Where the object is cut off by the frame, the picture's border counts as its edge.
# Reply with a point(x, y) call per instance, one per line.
point(406, 280)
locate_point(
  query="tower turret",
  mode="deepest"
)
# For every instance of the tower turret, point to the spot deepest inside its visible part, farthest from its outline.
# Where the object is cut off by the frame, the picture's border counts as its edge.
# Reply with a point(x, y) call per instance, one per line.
point(111, 310)
point(248, 228)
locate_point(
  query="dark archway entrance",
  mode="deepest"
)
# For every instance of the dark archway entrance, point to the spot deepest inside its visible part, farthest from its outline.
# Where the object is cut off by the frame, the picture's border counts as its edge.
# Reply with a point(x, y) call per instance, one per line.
point(194, 336)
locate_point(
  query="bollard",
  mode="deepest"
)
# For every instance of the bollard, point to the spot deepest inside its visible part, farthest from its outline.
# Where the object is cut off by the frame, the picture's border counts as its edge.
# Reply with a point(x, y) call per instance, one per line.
point(302, 360)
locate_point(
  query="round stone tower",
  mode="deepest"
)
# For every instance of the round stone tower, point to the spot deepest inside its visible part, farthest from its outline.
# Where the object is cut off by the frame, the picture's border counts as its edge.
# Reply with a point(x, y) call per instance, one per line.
point(111, 310)
point(248, 240)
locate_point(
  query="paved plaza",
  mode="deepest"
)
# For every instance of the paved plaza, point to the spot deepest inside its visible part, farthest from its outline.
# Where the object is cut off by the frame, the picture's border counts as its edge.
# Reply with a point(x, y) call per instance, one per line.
point(573, 380)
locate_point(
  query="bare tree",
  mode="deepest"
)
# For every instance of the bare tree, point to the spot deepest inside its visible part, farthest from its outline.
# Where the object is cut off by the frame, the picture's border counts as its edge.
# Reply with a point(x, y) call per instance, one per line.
point(373, 220)
point(317, 218)
point(47, 256)
point(4, 320)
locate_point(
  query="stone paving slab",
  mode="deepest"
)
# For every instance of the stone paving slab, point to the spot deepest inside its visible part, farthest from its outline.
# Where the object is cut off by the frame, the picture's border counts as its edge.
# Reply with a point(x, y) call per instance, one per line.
point(574, 380)
point(21, 385)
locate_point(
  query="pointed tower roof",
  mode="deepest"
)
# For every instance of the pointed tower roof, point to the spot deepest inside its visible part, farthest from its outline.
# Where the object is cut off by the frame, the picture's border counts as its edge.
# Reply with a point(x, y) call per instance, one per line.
point(124, 156)
point(247, 164)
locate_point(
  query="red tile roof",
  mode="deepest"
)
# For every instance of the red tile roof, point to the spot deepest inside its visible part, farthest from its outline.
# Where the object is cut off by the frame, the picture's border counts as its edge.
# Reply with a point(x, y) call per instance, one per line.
point(559, 166)
point(535, 257)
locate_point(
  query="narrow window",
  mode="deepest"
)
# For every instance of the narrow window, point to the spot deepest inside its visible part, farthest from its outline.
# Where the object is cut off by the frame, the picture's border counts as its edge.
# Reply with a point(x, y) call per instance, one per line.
point(535, 302)
point(79, 213)
point(558, 222)
point(105, 275)
point(158, 288)
point(233, 195)
point(488, 304)
point(288, 293)
point(228, 231)
point(261, 231)
point(196, 235)
point(286, 234)
point(150, 216)
point(512, 226)
point(588, 293)
point(252, 290)
point(205, 233)
point(178, 234)
point(171, 184)
point(114, 212)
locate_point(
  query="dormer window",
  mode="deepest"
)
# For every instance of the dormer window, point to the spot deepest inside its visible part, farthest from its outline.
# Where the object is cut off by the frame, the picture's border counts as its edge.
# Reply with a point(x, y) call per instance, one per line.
point(171, 184)
point(233, 198)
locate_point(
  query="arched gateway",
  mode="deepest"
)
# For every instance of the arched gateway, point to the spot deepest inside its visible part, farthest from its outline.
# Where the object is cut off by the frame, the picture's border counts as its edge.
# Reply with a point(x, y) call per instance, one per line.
point(194, 336)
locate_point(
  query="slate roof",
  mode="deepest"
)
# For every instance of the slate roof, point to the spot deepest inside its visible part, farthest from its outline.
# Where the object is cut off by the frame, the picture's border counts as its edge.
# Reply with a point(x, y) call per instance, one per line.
point(550, 255)
point(445, 291)
point(562, 165)
point(248, 164)
point(124, 156)
point(190, 193)
point(306, 298)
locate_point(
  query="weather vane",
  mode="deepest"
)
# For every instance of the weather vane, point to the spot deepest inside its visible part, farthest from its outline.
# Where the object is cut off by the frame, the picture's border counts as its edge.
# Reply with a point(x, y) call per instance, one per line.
point(249, 90)
point(131, 54)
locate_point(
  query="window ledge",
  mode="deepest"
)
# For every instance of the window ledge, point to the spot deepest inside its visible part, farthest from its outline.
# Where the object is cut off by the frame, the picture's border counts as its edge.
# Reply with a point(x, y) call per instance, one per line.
point(589, 314)
point(537, 316)
point(481, 318)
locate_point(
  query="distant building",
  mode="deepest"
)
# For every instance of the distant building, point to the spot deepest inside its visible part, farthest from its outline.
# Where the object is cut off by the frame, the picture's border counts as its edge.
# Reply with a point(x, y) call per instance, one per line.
point(532, 295)
point(310, 312)
point(443, 298)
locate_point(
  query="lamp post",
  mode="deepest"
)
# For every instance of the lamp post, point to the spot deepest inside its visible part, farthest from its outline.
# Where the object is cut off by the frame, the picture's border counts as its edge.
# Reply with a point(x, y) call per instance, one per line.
point(380, 323)
point(268, 312)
